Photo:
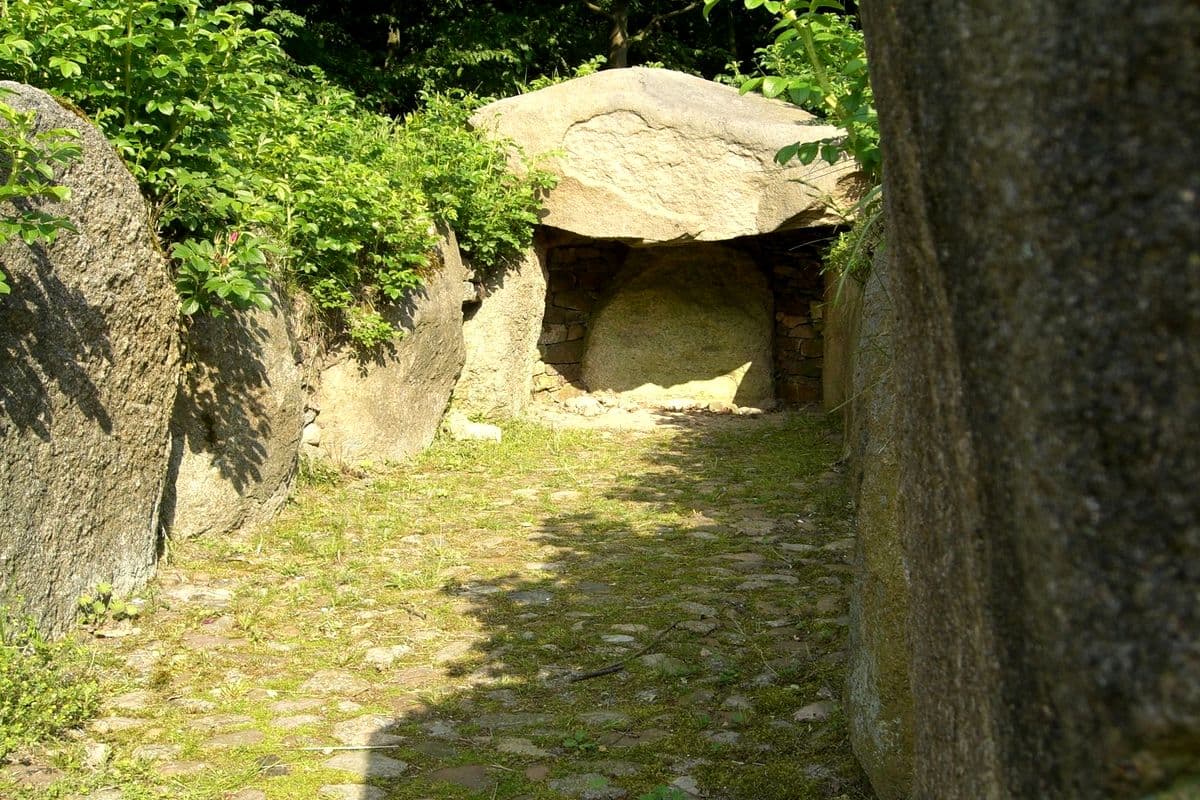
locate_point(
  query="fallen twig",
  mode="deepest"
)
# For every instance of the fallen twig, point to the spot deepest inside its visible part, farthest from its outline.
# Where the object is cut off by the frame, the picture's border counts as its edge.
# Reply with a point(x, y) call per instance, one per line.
point(620, 665)
point(331, 748)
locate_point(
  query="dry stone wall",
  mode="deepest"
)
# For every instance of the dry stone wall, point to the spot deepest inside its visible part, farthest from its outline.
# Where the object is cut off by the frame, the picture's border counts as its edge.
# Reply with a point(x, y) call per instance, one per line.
point(578, 277)
point(794, 261)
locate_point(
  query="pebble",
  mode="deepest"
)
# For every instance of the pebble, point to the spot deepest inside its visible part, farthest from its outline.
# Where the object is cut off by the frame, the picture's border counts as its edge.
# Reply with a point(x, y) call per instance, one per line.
point(815, 712)
point(383, 657)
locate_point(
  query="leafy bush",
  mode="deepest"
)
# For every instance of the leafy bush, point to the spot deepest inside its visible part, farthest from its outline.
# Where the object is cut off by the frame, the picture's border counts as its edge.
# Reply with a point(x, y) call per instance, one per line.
point(255, 167)
point(28, 162)
point(45, 687)
point(468, 182)
point(818, 60)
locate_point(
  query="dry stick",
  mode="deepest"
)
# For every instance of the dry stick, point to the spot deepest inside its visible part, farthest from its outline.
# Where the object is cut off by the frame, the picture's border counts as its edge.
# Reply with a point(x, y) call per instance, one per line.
point(620, 665)
point(330, 749)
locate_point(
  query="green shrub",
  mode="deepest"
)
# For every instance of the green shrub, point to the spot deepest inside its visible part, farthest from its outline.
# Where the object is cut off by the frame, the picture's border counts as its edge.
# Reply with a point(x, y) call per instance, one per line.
point(468, 182)
point(28, 163)
point(45, 687)
point(256, 168)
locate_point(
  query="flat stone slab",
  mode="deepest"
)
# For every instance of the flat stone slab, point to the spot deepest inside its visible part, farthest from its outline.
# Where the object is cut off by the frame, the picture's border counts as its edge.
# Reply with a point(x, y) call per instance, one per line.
point(512, 720)
point(351, 791)
point(367, 729)
point(226, 741)
point(472, 776)
point(367, 764)
point(520, 747)
point(588, 786)
point(331, 681)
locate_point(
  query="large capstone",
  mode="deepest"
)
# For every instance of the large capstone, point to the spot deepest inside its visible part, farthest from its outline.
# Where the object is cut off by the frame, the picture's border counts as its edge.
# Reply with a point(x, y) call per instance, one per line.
point(1043, 193)
point(387, 405)
point(237, 421)
point(651, 155)
point(684, 322)
point(89, 364)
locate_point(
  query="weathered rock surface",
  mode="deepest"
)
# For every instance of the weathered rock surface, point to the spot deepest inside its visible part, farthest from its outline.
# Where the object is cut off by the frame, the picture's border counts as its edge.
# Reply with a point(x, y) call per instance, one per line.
point(501, 335)
point(842, 311)
point(656, 156)
point(1046, 267)
point(236, 424)
point(388, 407)
point(89, 363)
point(879, 696)
point(690, 322)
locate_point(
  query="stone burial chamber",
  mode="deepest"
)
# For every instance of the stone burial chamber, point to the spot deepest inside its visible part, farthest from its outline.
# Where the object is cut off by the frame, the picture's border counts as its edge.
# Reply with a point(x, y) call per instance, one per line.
point(679, 261)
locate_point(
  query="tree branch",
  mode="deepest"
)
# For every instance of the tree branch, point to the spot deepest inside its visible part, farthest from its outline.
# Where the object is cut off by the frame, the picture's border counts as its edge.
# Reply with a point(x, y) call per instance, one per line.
point(660, 19)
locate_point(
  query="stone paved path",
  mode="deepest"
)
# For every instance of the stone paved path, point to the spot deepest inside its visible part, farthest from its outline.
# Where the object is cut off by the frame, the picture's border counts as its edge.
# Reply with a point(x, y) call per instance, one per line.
point(415, 634)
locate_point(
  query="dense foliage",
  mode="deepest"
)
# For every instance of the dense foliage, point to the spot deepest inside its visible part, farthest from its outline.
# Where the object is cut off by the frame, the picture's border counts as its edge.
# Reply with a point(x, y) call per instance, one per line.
point(28, 164)
point(818, 60)
point(390, 51)
point(45, 687)
point(255, 167)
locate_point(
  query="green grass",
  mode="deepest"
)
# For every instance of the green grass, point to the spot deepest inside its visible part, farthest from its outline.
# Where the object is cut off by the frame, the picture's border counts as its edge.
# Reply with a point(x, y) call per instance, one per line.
point(449, 556)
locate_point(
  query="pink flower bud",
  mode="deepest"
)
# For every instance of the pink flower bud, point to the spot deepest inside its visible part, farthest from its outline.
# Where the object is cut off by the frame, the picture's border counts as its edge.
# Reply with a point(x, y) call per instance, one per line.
point(233, 237)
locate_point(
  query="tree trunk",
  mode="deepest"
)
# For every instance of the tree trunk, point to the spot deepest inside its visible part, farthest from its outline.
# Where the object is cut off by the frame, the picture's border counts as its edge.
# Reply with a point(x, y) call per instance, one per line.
point(618, 39)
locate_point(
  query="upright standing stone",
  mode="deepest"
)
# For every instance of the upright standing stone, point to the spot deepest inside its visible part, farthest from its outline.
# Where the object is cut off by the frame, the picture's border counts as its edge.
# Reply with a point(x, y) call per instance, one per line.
point(387, 405)
point(501, 335)
point(1043, 188)
point(237, 421)
point(89, 363)
point(879, 694)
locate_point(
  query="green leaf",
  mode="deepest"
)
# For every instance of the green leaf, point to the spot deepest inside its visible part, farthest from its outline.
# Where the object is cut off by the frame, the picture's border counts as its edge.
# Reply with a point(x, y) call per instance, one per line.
point(773, 86)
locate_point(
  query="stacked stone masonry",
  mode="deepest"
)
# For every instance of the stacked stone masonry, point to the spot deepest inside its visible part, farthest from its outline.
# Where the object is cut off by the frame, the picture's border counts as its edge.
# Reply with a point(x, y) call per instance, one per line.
point(581, 273)
point(579, 276)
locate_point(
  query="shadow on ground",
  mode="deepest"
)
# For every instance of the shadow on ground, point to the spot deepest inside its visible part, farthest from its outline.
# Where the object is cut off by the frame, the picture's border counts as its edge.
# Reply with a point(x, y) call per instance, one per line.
point(681, 637)
point(419, 634)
